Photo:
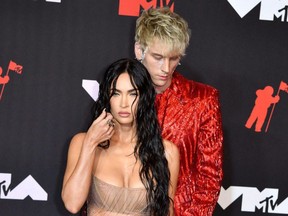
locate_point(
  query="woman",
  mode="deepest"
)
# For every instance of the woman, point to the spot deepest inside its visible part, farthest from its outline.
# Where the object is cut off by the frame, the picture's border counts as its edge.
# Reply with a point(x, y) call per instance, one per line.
point(120, 165)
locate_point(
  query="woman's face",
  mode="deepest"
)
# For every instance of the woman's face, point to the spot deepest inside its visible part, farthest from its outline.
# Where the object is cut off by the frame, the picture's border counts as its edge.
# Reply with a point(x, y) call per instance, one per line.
point(124, 101)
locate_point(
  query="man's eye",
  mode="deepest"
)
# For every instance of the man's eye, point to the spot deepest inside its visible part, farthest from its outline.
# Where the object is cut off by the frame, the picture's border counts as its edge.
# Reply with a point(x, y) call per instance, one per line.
point(175, 58)
point(158, 58)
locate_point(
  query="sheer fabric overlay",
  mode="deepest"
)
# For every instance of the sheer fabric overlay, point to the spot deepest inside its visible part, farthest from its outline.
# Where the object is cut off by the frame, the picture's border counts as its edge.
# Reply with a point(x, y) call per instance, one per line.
point(110, 200)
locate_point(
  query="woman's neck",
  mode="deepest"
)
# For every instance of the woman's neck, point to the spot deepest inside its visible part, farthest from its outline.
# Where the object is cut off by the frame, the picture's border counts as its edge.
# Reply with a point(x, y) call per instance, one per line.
point(124, 136)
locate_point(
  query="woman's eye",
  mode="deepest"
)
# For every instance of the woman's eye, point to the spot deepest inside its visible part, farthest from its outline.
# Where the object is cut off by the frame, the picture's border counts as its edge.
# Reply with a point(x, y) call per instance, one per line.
point(133, 93)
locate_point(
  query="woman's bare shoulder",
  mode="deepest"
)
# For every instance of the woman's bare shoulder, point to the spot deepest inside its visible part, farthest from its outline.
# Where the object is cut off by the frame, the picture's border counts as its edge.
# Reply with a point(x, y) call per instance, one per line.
point(78, 137)
point(77, 141)
point(171, 150)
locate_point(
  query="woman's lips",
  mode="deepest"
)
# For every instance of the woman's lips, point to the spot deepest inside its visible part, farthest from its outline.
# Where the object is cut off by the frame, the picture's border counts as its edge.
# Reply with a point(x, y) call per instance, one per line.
point(123, 114)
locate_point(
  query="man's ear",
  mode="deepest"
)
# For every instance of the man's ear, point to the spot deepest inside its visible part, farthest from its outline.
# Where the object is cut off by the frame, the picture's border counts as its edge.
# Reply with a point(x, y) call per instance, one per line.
point(138, 51)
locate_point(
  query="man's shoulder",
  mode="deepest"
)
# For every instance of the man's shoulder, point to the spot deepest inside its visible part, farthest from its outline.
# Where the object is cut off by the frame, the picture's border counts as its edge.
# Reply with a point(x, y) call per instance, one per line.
point(192, 88)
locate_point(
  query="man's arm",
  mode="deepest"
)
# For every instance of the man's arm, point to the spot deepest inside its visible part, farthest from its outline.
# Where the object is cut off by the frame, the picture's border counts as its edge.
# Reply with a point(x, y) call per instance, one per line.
point(207, 172)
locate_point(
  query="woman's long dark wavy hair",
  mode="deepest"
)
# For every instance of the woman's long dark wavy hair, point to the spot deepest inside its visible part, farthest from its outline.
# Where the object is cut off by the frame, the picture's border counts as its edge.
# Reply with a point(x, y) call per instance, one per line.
point(154, 171)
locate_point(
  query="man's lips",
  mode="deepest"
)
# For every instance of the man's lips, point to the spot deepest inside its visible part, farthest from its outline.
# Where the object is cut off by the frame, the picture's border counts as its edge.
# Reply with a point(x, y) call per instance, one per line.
point(163, 77)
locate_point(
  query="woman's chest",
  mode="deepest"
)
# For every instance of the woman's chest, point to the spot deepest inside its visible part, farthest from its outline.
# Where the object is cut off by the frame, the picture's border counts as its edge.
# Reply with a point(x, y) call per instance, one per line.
point(118, 169)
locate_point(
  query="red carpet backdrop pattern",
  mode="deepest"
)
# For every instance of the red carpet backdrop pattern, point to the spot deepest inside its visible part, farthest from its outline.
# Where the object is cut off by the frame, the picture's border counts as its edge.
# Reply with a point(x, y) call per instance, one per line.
point(52, 57)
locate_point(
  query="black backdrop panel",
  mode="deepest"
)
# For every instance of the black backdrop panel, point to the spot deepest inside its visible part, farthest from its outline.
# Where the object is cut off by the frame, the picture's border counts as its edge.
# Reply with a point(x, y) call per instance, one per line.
point(49, 48)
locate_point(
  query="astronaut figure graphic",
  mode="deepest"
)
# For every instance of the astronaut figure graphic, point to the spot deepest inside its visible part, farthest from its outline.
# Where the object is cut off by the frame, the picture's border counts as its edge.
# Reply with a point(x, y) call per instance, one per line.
point(262, 103)
point(4, 79)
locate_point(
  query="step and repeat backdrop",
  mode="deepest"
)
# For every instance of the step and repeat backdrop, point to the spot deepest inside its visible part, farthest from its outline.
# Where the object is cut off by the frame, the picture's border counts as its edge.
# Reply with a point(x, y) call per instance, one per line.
point(53, 54)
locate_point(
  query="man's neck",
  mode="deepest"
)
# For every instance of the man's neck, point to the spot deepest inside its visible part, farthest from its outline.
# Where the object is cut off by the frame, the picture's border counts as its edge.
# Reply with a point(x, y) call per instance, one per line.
point(161, 89)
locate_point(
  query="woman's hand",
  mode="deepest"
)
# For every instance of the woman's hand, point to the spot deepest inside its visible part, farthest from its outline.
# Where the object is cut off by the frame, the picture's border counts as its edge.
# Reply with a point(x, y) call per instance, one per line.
point(81, 157)
point(100, 130)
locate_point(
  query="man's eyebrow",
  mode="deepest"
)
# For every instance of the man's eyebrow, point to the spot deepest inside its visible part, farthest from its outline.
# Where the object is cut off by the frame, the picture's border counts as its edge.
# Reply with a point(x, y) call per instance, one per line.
point(160, 55)
point(156, 54)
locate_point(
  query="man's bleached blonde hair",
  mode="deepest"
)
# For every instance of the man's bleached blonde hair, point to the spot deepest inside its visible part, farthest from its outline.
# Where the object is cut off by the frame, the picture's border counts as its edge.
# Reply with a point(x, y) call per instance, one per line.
point(164, 25)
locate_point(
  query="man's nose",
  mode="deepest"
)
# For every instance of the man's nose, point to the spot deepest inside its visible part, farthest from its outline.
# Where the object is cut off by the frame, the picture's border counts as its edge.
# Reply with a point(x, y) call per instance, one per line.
point(165, 66)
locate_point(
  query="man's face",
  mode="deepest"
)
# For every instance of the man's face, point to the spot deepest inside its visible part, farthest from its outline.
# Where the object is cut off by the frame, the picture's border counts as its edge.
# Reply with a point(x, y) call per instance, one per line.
point(160, 63)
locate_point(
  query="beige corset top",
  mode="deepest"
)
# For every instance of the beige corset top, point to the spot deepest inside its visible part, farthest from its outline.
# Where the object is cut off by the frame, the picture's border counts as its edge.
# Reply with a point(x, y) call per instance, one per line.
point(110, 200)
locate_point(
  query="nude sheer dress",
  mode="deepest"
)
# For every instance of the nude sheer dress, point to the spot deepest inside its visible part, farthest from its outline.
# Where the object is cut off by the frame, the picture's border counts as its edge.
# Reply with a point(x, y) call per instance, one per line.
point(110, 200)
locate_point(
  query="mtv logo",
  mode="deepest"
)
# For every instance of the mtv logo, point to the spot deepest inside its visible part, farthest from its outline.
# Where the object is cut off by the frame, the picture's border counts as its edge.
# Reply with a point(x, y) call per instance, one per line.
point(268, 11)
point(252, 199)
point(28, 187)
point(91, 87)
point(134, 7)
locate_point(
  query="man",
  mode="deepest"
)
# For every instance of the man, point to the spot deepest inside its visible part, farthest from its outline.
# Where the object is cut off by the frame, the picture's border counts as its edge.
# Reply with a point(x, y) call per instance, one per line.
point(188, 111)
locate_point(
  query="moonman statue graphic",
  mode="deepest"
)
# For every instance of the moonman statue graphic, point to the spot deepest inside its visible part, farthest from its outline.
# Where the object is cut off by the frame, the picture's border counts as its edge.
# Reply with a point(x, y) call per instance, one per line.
point(5, 79)
point(262, 103)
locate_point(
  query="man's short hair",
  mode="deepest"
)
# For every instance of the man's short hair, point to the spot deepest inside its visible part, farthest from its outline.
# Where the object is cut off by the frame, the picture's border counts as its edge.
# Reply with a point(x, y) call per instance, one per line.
point(167, 26)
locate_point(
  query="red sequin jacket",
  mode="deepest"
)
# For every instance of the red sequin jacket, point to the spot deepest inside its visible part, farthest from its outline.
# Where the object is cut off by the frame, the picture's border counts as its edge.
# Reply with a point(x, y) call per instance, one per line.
point(189, 115)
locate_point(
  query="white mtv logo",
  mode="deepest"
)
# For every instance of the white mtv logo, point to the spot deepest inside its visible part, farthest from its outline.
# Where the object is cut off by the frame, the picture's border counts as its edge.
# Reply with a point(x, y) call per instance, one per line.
point(91, 87)
point(252, 198)
point(56, 1)
point(268, 9)
point(28, 187)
